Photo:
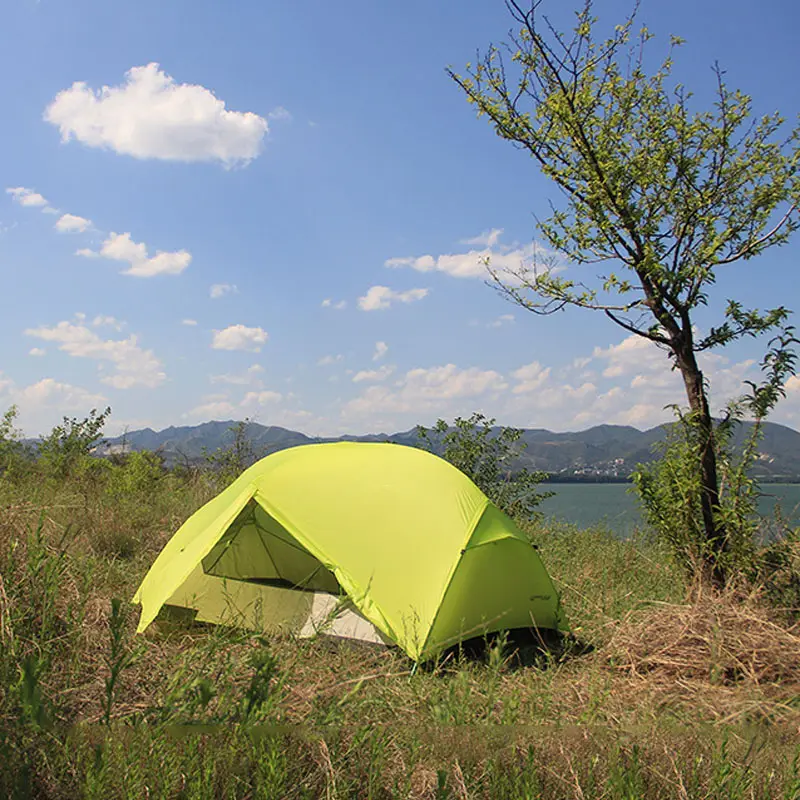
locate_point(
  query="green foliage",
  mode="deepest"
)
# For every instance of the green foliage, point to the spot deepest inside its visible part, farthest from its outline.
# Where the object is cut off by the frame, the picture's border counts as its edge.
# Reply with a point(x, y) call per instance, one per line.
point(486, 456)
point(67, 447)
point(212, 711)
point(42, 608)
point(229, 462)
point(120, 654)
point(670, 195)
point(669, 492)
point(257, 699)
point(138, 475)
point(12, 451)
point(670, 489)
point(777, 570)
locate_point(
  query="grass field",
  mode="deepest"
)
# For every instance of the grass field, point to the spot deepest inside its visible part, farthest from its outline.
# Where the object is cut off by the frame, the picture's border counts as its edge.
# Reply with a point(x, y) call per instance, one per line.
point(659, 695)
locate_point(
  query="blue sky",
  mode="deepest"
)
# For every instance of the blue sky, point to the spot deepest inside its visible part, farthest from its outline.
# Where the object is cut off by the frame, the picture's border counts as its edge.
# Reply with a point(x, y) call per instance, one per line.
point(213, 237)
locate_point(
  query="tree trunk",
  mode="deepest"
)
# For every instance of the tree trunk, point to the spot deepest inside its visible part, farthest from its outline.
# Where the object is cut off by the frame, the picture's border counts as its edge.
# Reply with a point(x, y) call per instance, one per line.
point(715, 533)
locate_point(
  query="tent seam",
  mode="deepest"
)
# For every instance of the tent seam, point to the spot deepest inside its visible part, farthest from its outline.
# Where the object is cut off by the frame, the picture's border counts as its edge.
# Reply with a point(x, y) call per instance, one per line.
point(266, 546)
point(470, 533)
point(554, 591)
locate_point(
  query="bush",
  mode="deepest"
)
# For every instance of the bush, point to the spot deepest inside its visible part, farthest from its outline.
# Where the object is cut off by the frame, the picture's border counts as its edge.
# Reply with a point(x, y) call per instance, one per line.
point(671, 488)
point(669, 492)
point(69, 445)
point(228, 463)
point(139, 475)
point(486, 456)
point(13, 453)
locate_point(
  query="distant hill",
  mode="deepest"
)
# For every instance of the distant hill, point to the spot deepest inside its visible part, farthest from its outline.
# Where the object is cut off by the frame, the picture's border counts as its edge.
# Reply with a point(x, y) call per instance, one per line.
point(604, 452)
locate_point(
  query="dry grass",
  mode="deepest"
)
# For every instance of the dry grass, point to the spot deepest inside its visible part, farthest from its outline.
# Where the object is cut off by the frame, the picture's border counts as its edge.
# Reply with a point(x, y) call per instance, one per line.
point(623, 720)
point(726, 656)
point(722, 638)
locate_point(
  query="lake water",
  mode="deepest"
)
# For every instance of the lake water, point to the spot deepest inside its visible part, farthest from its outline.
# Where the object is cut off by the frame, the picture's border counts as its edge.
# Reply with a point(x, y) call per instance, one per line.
point(587, 504)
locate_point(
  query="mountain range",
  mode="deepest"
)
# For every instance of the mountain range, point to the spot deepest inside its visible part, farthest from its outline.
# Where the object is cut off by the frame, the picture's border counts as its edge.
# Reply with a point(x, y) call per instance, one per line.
point(604, 452)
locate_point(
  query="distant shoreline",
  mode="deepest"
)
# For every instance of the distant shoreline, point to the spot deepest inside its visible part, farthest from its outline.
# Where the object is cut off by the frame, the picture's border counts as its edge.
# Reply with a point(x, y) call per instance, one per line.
point(562, 479)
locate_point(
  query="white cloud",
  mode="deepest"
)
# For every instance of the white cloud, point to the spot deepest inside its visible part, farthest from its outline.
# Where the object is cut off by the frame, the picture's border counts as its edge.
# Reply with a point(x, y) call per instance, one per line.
point(486, 239)
point(328, 303)
point(280, 114)
point(239, 337)
point(473, 264)
point(134, 366)
point(381, 297)
point(503, 319)
point(381, 349)
point(248, 378)
point(71, 223)
point(328, 360)
point(449, 382)
point(150, 116)
point(421, 390)
point(189, 322)
point(217, 406)
point(261, 398)
point(44, 403)
point(531, 377)
point(221, 289)
point(373, 375)
point(120, 247)
point(63, 396)
point(216, 409)
point(27, 197)
point(631, 383)
point(631, 355)
point(37, 351)
point(106, 321)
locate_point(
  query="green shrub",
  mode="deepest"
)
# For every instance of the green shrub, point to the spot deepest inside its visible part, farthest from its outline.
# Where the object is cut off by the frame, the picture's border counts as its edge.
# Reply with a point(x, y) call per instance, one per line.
point(70, 444)
point(486, 456)
point(138, 476)
point(14, 456)
point(228, 463)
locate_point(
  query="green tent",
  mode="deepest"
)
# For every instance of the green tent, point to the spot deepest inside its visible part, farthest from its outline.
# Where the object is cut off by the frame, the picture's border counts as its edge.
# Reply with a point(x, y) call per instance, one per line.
point(415, 552)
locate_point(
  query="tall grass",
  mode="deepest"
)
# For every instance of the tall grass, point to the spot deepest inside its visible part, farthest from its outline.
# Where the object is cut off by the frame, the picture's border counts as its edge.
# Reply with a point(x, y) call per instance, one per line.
point(658, 696)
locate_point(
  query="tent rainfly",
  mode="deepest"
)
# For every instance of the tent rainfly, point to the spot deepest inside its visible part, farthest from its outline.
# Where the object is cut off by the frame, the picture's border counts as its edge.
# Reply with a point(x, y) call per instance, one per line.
point(376, 541)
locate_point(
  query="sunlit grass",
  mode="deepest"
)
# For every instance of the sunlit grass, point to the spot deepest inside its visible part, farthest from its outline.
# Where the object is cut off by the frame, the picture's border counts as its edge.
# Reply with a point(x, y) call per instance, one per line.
point(88, 709)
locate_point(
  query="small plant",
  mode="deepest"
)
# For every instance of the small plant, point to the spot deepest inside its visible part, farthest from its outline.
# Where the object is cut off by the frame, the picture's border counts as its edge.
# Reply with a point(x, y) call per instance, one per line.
point(257, 699)
point(671, 489)
point(120, 656)
point(137, 475)
point(229, 462)
point(71, 443)
point(33, 706)
point(11, 447)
